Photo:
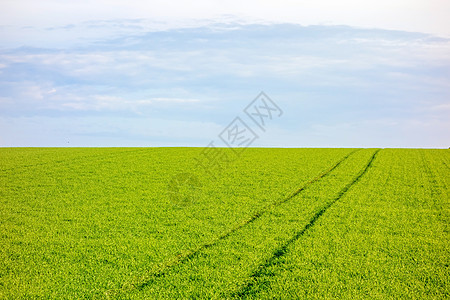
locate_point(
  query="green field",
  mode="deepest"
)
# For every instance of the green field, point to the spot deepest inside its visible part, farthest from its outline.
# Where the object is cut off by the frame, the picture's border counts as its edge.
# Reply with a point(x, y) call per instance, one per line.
point(104, 223)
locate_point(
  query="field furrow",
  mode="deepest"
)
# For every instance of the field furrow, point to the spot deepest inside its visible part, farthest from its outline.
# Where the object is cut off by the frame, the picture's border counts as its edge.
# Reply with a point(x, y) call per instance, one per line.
point(283, 250)
point(225, 269)
point(257, 215)
point(387, 237)
point(83, 227)
point(271, 223)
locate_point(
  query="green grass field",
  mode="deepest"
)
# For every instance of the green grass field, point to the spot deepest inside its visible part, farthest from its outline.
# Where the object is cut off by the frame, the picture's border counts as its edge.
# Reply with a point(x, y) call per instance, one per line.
point(103, 223)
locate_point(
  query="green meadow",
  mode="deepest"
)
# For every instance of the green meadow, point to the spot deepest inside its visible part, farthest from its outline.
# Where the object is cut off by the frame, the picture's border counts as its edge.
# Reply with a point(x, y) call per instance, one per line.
point(269, 223)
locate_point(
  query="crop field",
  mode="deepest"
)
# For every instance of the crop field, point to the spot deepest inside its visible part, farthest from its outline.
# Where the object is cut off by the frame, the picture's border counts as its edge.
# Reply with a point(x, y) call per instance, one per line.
point(150, 223)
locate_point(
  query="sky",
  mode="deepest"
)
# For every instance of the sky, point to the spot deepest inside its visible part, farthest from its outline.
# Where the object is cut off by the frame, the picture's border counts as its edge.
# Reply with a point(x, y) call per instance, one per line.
point(177, 73)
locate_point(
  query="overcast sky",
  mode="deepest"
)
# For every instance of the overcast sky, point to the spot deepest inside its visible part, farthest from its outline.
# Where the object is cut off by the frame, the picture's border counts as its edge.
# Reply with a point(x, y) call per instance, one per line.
point(429, 16)
point(176, 73)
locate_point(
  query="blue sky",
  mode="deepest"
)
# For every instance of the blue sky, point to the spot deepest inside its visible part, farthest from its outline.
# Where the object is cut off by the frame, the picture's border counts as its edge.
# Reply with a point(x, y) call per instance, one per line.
point(136, 79)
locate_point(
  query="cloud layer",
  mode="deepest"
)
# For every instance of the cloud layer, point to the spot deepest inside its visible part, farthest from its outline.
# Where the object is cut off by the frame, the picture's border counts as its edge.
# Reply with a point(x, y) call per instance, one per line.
point(338, 85)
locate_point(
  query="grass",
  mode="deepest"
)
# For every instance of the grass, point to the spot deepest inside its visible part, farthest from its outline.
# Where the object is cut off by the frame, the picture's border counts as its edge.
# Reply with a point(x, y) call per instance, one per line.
point(377, 243)
point(274, 223)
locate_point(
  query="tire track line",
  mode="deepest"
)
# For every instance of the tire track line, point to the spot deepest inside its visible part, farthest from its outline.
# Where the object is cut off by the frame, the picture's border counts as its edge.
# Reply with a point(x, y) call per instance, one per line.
point(283, 250)
point(146, 280)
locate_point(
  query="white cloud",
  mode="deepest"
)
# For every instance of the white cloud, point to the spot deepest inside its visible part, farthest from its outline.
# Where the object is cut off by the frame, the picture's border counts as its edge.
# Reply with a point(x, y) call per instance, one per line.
point(174, 100)
point(331, 80)
point(443, 108)
point(429, 16)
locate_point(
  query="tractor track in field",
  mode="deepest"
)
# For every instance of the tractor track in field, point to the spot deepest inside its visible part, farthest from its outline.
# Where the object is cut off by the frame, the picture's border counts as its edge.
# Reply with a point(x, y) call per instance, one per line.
point(283, 250)
point(146, 280)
